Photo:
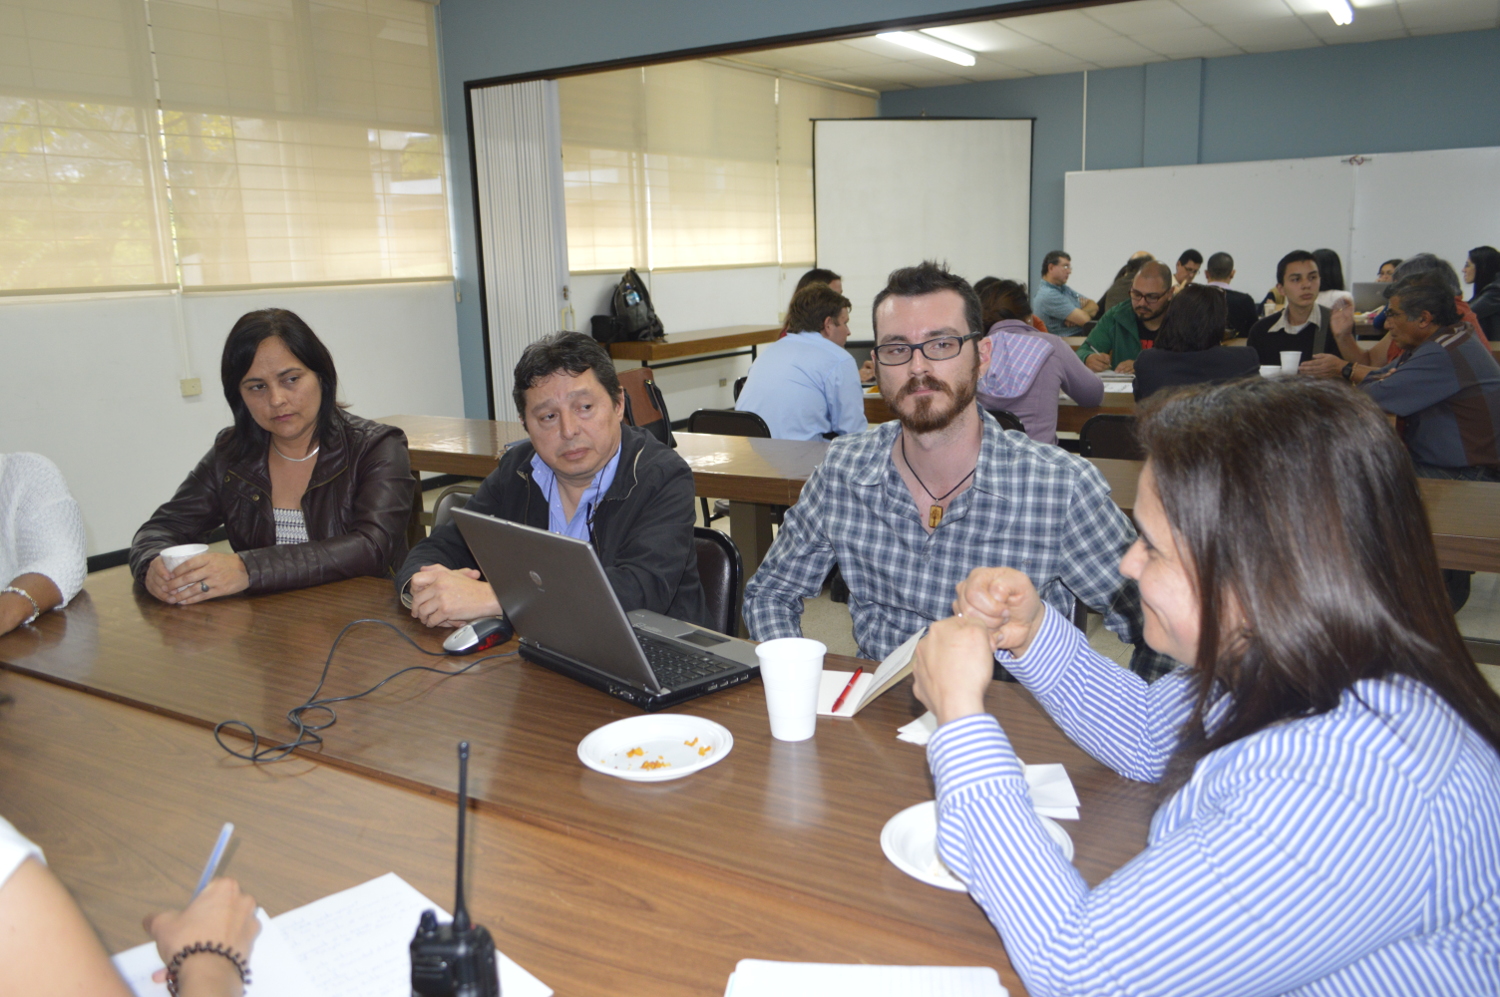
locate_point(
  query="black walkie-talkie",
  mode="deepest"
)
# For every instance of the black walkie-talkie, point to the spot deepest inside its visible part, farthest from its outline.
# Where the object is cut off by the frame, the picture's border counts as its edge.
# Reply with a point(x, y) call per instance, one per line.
point(458, 959)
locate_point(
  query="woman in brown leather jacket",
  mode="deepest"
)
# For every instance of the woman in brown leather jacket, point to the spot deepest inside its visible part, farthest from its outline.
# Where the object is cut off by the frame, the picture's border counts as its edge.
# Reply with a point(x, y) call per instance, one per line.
point(306, 492)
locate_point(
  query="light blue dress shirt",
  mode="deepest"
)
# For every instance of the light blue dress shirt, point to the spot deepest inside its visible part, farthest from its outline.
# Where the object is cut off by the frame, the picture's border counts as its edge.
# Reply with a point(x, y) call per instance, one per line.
point(1053, 303)
point(805, 385)
point(557, 519)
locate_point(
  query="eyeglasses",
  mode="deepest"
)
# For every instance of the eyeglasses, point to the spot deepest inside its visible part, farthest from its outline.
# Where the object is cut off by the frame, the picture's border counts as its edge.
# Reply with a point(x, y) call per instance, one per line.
point(1149, 299)
point(942, 348)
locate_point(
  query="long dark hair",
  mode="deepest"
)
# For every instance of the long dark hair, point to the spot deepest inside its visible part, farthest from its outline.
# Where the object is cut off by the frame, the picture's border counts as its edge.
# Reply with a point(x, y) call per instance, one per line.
point(1195, 320)
point(1302, 468)
point(1486, 260)
point(1330, 270)
point(1003, 299)
point(246, 440)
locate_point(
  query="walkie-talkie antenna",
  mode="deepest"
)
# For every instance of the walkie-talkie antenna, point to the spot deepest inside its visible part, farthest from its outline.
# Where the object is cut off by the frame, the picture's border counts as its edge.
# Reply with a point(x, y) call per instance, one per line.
point(460, 912)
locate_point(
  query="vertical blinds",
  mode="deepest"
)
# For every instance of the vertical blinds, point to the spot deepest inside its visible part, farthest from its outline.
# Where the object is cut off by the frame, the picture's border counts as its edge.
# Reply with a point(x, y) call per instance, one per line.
point(691, 164)
point(301, 141)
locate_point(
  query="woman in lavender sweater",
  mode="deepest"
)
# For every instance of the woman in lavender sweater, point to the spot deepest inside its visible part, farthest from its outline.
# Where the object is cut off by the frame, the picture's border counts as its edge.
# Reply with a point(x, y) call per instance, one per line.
point(1027, 368)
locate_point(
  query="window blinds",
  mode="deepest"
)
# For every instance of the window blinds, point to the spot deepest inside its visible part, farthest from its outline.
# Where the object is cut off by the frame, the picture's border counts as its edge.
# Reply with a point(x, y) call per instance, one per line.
point(691, 164)
point(80, 204)
point(298, 141)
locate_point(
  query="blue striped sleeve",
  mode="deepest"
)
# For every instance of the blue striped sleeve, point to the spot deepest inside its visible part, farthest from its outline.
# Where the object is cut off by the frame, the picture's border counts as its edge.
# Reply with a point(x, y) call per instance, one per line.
point(1109, 711)
point(1303, 853)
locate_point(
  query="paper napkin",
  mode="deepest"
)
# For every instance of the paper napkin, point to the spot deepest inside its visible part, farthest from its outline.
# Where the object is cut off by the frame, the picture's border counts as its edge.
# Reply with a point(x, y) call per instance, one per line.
point(1052, 791)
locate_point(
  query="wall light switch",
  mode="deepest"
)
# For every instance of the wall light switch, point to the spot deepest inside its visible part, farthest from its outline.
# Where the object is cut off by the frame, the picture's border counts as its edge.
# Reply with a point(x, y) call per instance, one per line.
point(191, 386)
point(723, 382)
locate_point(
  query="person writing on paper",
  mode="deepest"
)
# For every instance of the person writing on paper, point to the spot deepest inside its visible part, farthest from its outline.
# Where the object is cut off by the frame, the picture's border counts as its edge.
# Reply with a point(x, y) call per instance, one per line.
point(1329, 753)
point(1131, 326)
point(42, 562)
point(582, 474)
point(306, 492)
point(47, 947)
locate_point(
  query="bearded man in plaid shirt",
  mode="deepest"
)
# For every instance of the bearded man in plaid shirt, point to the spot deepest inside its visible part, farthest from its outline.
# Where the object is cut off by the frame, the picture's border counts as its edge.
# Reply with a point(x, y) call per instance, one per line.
point(907, 508)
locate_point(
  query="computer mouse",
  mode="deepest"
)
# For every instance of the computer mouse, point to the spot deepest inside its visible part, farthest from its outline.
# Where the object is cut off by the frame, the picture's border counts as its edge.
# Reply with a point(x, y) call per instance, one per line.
point(480, 635)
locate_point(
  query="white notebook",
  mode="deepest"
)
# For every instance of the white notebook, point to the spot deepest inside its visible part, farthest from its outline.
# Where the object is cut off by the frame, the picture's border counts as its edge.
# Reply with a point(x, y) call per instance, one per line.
point(760, 978)
point(350, 944)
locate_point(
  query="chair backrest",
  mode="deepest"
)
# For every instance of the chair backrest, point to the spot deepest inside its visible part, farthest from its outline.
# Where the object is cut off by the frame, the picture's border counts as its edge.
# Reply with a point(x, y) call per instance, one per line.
point(739, 385)
point(1007, 420)
point(727, 422)
point(1110, 436)
point(644, 405)
point(720, 569)
point(450, 498)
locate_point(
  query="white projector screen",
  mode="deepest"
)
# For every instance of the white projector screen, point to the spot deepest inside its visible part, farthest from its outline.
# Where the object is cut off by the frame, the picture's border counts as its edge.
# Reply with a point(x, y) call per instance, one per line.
point(1378, 207)
point(891, 193)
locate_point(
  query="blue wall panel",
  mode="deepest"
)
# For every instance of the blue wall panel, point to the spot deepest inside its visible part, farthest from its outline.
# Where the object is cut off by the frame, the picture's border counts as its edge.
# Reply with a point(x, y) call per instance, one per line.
point(1117, 102)
point(1174, 100)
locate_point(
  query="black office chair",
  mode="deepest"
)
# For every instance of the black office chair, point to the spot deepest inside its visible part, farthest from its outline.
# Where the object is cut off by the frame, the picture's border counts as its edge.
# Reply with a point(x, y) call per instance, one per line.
point(1110, 436)
point(1007, 420)
point(725, 422)
point(739, 385)
point(450, 498)
point(721, 570)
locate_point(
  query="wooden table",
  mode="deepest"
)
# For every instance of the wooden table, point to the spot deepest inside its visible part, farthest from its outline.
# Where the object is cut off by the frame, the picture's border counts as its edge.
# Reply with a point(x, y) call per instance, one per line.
point(694, 347)
point(786, 833)
point(754, 475)
point(1070, 417)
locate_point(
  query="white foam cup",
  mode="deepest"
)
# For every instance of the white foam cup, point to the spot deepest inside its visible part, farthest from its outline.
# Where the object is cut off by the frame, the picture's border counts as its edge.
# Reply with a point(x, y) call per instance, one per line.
point(1290, 361)
point(1270, 370)
point(174, 556)
point(791, 669)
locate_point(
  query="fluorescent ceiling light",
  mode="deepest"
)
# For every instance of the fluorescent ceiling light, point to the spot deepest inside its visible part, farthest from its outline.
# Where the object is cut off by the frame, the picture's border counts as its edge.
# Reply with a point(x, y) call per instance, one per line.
point(928, 45)
point(1340, 11)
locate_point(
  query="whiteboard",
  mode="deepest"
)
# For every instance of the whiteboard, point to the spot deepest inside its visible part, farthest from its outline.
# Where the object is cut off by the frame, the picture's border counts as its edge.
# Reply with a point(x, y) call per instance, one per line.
point(1369, 208)
point(1445, 202)
point(1255, 212)
point(891, 193)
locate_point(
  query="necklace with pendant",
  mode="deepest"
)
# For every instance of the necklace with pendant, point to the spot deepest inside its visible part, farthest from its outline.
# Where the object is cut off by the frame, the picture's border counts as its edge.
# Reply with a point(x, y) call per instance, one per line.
point(935, 511)
point(298, 460)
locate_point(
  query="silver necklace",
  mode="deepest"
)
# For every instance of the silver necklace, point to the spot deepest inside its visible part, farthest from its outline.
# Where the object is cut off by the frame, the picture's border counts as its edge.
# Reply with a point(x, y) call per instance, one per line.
point(297, 460)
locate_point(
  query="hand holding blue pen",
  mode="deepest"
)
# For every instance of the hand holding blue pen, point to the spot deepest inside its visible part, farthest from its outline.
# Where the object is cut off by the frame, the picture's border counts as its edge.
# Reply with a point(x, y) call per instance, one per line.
point(214, 857)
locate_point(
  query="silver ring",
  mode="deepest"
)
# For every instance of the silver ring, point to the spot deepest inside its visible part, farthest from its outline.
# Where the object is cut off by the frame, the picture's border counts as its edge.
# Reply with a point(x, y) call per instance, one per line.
point(204, 585)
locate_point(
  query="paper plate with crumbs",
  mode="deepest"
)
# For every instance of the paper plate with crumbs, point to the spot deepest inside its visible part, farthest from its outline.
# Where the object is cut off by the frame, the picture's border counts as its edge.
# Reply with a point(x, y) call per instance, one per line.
point(656, 747)
point(909, 840)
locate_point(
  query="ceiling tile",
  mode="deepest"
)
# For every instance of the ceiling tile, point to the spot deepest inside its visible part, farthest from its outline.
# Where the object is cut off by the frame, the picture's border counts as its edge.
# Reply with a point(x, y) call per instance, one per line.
point(981, 36)
point(1143, 17)
point(1108, 50)
point(1430, 16)
point(1060, 26)
point(1043, 60)
point(1194, 43)
point(1274, 36)
point(1370, 24)
point(1216, 12)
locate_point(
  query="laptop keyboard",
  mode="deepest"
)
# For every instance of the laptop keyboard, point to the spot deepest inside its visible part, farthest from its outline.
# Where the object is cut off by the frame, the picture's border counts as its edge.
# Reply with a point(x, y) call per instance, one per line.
point(675, 667)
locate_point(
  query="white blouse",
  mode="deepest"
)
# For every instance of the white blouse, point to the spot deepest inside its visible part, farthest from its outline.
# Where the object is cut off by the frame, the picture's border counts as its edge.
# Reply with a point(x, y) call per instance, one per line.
point(15, 848)
point(41, 526)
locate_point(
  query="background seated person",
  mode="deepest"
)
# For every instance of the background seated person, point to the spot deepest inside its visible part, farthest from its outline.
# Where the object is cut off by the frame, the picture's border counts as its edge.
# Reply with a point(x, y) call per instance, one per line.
point(1188, 265)
point(1482, 269)
point(1387, 350)
point(582, 474)
point(1119, 290)
point(1128, 328)
point(1303, 324)
point(1242, 313)
point(1190, 348)
point(307, 493)
point(42, 547)
point(907, 509)
point(1027, 368)
point(47, 947)
point(817, 275)
point(806, 385)
point(1058, 305)
point(1329, 756)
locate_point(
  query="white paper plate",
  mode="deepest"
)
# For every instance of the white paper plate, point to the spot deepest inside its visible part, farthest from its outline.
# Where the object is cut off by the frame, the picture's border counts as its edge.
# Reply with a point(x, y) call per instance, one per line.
point(655, 747)
point(909, 840)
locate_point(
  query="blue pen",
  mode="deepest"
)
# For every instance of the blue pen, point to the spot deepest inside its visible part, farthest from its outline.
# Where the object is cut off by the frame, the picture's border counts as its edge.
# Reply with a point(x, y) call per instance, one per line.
point(213, 859)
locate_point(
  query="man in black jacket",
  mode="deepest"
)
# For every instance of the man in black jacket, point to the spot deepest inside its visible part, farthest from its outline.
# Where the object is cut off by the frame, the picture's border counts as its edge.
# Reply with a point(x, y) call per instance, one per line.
point(1242, 313)
point(583, 474)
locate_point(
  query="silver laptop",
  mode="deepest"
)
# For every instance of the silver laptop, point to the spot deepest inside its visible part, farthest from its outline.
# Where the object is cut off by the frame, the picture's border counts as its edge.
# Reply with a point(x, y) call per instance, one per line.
point(1368, 295)
point(557, 596)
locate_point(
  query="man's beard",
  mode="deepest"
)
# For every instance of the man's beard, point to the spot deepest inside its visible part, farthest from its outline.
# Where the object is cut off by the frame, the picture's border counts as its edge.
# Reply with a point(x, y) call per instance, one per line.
point(926, 415)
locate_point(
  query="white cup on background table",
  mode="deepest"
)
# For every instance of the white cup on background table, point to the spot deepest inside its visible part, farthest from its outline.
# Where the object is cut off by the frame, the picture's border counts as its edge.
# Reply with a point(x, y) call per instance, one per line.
point(1290, 361)
point(791, 668)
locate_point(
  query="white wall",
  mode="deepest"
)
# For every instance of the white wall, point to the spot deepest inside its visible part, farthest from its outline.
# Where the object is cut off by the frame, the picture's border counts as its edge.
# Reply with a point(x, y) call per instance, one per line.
point(697, 299)
point(92, 381)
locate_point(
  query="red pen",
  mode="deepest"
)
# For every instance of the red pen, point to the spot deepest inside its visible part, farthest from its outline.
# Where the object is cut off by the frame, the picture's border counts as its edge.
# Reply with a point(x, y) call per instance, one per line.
point(852, 679)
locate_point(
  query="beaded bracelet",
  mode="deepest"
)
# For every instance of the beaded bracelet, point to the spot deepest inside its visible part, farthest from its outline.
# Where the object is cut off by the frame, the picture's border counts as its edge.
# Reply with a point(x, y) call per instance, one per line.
point(241, 964)
point(35, 609)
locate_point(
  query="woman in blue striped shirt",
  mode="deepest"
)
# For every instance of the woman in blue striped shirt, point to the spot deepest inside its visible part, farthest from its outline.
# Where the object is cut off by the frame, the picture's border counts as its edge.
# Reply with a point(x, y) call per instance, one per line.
point(1329, 756)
